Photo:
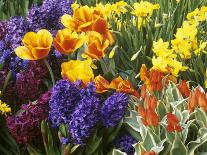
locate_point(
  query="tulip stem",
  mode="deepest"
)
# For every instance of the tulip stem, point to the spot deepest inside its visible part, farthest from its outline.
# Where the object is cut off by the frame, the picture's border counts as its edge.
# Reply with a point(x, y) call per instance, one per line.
point(50, 70)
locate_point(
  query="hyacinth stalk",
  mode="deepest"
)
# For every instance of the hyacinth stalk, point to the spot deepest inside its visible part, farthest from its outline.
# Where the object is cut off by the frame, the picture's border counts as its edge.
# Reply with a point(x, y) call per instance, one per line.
point(50, 71)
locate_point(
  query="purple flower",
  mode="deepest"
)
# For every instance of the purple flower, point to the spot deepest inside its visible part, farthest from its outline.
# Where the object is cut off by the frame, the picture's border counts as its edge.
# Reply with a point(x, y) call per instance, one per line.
point(48, 14)
point(3, 29)
point(25, 125)
point(125, 142)
point(28, 82)
point(85, 119)
point(113, 109)
point(65, 96)
point(16, 29)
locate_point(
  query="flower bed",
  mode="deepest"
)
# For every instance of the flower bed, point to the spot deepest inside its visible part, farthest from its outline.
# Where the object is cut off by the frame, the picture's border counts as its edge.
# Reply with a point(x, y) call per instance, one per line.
point(90, 78)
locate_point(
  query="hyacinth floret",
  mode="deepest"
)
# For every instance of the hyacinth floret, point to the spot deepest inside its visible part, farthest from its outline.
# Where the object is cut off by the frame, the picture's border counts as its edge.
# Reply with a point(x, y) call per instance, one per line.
point(113, 109)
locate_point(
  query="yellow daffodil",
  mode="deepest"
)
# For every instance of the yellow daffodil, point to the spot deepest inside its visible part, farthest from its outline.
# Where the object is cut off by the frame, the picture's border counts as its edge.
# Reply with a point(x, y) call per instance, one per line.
point(67, 41)
point(78, 70)
point(4, 108)
point(96, 45)
point(144, 9)
point(36, 45)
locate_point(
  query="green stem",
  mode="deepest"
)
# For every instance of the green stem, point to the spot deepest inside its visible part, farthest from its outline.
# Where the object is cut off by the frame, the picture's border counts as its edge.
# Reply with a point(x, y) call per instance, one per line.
point(6, 82)
point(50, 70)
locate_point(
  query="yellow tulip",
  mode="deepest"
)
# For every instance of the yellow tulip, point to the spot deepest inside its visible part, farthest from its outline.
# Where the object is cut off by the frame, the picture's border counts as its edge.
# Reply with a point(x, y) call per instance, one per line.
point(67, 41)
point(36, 45)
point(78, 70)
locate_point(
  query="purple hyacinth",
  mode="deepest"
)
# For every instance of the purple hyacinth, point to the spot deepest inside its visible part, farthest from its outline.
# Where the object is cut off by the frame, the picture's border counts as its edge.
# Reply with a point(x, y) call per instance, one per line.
point(25, 126)
point(85, 118)
point(28, 82)
point(125, 142)
point(3, 29)
point(64, 98)
point(113, 109)
point(48, 14)
point(16, 29)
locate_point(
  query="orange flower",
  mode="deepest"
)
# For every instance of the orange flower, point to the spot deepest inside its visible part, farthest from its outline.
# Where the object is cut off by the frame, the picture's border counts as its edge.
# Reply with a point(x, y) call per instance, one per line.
point(87, 19)
point(151, 102)
point(143, 72)
point(149, 153)
point(149, 116)
point(197, 98)
point(36, 45)
point(173, 123)
point(184, 89)
point(143, 91)
point(123, 86)
point(101, 84)
point(67, 41)
point(96, 45)
point(101, 26)
point(81, 21)
point(155, 79)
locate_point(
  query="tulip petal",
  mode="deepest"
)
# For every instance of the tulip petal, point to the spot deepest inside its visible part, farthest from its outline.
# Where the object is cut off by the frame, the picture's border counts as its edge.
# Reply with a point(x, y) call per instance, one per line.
point(30, 39)
point(40, 53)
point(44, 38)
point(24, 53)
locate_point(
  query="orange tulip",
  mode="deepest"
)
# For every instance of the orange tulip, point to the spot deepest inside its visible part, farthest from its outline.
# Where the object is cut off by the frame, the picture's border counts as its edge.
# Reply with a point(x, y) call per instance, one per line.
point(96, 45)
point(67, 41)
point(197, 99)
point(151, 102)
point(149, 153)
point(143, 72)
point(86, 19)
point(36, 45)
point(101, 26)
point(81, 21)
point(184, 89)
point(123, 86)
point(101, 84)
point(143, 91)
point(149, 116)
point(173, 123)
point(155, 79)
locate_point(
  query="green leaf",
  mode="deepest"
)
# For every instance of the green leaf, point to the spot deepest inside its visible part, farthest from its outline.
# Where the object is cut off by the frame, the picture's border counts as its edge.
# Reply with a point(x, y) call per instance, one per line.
point(193, 145)
point(178, 148)
point(201, 117)
point(118, 152)
point(93, 144)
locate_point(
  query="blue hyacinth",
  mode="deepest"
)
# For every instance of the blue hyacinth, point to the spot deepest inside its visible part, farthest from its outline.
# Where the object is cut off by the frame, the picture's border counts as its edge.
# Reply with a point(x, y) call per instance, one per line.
point(85, 119)
point(63, 100)
point(125, 142)
point(113, 109)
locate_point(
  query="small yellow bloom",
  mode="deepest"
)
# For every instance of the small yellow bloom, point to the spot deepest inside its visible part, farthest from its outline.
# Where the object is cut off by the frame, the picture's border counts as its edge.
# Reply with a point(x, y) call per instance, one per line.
point(78, 70)
point(67, 41)
point(4, 108)
point(36, 45)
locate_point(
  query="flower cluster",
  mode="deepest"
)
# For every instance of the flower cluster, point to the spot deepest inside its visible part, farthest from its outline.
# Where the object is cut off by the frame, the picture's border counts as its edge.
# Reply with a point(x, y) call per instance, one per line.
point(25, 126)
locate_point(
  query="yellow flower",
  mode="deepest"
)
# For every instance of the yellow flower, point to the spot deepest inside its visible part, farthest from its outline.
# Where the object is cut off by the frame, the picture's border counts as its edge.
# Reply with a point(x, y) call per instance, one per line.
point(67, 41)
point(4, 108)
point(161, 48)
point(36, 45)
point(144, 9)
point(78, 70)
